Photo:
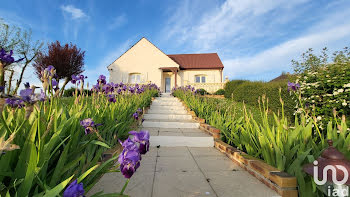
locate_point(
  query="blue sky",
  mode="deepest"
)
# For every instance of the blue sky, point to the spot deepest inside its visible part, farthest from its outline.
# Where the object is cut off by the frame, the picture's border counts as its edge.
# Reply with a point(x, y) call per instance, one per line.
point(255, 39)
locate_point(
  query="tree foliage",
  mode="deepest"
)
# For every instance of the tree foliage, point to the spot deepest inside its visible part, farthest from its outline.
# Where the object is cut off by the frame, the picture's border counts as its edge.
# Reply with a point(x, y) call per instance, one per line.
point(67, 59)
point(21, 42)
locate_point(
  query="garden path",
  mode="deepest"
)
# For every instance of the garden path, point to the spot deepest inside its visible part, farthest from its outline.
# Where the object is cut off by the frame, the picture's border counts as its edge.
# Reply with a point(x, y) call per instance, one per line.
point(182, 161)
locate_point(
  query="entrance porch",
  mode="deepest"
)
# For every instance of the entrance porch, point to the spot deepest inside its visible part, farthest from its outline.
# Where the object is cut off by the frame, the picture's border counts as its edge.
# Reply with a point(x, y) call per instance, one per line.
point(169, 78)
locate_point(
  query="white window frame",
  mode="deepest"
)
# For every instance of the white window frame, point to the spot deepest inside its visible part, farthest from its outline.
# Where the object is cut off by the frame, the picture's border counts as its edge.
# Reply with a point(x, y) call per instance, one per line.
point(200, 78)
point(134, 78)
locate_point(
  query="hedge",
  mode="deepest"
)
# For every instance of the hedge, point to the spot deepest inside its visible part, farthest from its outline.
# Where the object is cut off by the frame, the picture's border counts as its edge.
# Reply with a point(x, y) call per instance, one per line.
point(231, 85)
point(249, 93)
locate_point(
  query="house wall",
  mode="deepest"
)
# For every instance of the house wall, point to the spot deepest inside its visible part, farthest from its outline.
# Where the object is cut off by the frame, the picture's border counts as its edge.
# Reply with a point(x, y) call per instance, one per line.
point(143, 58)
point(212, 75)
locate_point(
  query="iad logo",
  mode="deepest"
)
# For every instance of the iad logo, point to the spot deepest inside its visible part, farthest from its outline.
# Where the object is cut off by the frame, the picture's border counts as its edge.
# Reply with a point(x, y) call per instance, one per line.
point(334, 174)
point(339, 188)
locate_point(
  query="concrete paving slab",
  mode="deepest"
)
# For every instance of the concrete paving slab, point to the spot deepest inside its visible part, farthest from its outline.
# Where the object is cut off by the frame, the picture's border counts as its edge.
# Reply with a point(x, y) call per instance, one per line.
point(170, 133)
point(239, 183)
point(153, 152)
point(167, 117)
point(176, 164)
point(180, 151)
point(161, 124)
point(148, 164)
point(170, 129)
point(140, 184)
point(178, 184)
point(166, 111)
point(204, 151)
point(195, 134)
point(191, 130)
point(174, 141)
point(215, 164)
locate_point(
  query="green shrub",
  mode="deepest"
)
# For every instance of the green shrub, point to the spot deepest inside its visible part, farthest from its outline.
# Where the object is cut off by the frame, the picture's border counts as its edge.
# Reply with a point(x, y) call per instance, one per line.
point(220, 92)
point(327, 89)
point(69, 92)
point(249, 93)
point(231, 86)
point(201, 91)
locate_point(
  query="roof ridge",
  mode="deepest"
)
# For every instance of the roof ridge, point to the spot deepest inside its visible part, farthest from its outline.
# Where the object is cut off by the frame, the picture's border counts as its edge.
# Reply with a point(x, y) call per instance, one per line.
point(193, 53)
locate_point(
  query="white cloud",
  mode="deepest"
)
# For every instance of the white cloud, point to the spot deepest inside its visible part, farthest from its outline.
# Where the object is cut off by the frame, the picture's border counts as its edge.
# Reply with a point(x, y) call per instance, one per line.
point(117, 22)
point(75, 13)
point(258, 39)
point(278, 58)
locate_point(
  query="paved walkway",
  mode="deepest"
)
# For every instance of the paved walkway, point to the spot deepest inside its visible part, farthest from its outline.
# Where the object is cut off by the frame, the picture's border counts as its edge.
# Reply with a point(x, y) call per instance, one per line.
point(182, 161)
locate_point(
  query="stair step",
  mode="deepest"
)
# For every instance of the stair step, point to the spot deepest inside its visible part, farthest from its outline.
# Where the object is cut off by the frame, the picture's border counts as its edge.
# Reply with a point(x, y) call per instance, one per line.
point(167, 117)
point(172, 141)
point(167, 104)
point(168, 124)
point(169, 107)
point(166, 111)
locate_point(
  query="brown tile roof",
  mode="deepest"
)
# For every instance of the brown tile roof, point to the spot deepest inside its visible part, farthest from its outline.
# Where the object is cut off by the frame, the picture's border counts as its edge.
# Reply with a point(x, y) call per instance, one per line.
point(197, 61)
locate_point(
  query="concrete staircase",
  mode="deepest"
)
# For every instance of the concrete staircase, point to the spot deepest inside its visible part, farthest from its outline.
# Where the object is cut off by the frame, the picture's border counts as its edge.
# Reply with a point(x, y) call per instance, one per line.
point(170, 125)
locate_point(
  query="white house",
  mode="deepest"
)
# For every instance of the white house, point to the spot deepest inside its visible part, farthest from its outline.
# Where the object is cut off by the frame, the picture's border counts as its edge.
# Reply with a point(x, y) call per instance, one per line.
point(145, 63)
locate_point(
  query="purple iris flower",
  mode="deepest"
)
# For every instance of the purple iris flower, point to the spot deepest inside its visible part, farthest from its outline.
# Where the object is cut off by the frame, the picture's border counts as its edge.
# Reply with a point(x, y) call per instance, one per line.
point(125, 88)
point(26, 85)
point(132, 90)
point(129, 158)
point(121, 84)
point(293, 86)
point(119, 91)
point(88, 124)
point(14, 102)
point(26, 95)
point(111, 98)
point(139, 110)
point(95, 88)
point(7, 58)
point(42, 96)
point(129, 144)
point(102, 80)
point(129, 162)
point(107, 88)
point(142, 138)
point(135, 116)
point(74, 190)
point(74, 79)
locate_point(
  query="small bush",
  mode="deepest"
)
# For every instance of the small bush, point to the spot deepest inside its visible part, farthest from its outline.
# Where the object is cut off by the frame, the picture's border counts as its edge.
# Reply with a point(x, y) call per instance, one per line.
point(201, 91)
point(69, 92)
point(231, 86)
point(220, 92)
point(327, 89)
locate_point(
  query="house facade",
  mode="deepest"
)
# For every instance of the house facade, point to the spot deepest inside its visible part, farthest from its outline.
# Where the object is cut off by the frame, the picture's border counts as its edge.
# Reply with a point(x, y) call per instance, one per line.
point(145, 63)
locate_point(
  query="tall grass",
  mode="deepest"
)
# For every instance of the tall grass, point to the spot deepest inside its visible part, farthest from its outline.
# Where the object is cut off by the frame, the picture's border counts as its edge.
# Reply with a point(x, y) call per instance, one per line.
point(281, 143)
point(53, 146)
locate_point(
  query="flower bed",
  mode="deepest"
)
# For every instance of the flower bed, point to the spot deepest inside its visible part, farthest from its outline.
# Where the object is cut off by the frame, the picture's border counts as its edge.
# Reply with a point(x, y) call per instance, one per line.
point(46, 142)
point(280, 144)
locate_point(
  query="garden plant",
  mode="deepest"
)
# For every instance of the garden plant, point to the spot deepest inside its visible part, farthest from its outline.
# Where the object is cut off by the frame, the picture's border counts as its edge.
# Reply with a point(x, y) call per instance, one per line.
point(52, 146)
point(281, 143)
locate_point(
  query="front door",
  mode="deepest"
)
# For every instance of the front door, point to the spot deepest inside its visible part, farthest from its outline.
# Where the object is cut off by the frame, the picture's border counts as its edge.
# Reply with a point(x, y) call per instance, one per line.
point(167, 84)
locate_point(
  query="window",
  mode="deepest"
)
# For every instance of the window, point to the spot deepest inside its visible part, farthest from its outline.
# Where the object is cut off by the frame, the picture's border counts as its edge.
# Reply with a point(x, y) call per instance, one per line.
point(200, 79)
point(134, 78)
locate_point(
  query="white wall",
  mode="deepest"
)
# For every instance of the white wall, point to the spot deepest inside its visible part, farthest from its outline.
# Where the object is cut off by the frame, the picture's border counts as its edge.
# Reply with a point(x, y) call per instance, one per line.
point(142, 58)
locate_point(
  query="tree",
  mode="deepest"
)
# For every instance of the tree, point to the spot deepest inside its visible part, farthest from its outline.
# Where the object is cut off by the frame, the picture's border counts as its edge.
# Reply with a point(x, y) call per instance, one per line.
point(68, 60)
point(20, 41)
